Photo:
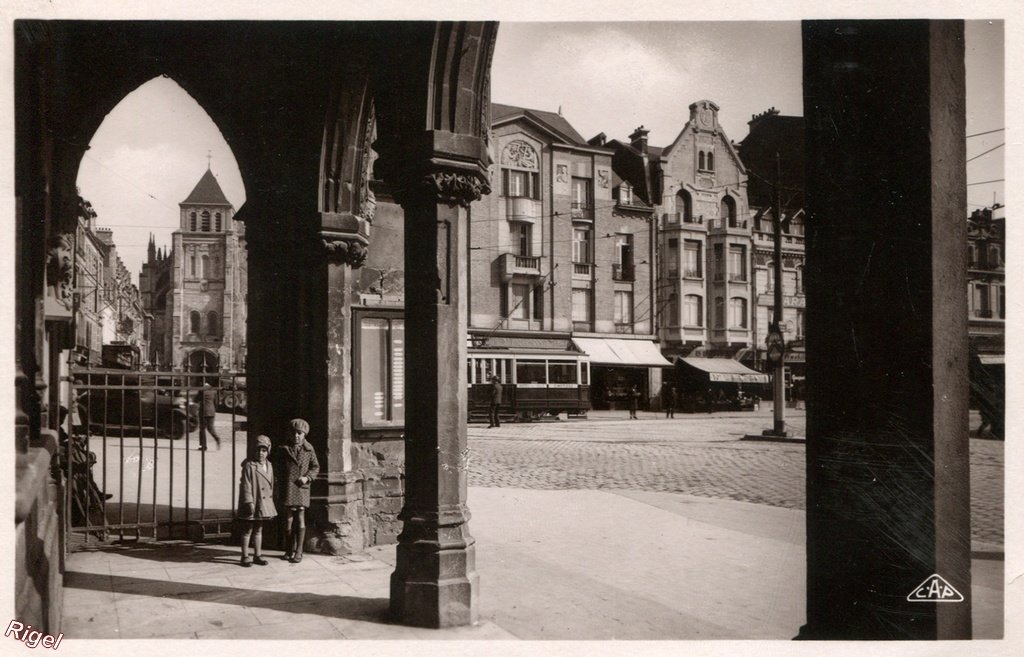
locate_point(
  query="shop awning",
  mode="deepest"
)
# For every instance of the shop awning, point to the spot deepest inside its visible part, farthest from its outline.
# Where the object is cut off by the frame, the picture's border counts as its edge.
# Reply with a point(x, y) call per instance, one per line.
point(618, 352)
point(726, 369)
point(992, 359)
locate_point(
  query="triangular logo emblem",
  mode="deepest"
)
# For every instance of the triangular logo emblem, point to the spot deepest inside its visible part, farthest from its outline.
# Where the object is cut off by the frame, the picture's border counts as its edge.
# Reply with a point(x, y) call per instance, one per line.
point(935, 589)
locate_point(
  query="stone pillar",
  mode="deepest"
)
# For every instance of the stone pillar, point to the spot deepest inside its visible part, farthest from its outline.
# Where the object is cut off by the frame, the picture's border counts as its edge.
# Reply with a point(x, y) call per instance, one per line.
point(435, 579)
point(888, 495)
point(337, 517)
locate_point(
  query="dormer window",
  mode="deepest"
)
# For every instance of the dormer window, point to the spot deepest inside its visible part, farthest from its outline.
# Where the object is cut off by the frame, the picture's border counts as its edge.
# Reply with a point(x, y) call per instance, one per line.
point(625, 194)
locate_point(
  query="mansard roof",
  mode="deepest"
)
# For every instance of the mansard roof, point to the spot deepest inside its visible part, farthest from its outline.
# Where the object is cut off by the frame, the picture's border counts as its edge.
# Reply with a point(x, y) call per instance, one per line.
point(207, 192)
point(552, 122)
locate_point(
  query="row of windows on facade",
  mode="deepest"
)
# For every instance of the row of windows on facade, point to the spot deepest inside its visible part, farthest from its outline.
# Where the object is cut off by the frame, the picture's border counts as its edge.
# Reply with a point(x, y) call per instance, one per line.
point(582, 244)
point(735, 313)
point(983, 305)
point(516, 183)
point(984, 256)
point(196, 327)
point(523, 301)
point(731, 265)
point(203, 223)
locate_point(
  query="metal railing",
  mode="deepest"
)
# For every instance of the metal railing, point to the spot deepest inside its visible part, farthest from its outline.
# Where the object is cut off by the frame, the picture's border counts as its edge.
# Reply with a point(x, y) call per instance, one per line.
point(582, 268)
point(129, 461)
point(623, 272)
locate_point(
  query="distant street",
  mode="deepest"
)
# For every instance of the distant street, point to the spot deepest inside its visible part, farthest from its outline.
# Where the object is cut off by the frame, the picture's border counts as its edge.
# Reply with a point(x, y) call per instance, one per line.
point(695, 454)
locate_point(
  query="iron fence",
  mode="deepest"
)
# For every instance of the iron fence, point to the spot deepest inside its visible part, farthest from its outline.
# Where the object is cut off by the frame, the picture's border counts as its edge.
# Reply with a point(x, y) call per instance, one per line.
point(133, 462)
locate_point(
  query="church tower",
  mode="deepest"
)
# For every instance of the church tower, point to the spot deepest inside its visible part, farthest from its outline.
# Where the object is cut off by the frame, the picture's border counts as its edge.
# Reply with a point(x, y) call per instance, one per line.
point(207, 315)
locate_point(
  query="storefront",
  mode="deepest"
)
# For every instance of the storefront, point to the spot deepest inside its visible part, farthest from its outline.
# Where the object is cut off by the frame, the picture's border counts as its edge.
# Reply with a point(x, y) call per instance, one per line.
point(619, 364)
point(717, 384)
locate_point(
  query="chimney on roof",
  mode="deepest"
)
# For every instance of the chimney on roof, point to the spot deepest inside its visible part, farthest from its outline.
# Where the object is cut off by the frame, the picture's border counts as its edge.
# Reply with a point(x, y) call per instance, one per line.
point(638, 139)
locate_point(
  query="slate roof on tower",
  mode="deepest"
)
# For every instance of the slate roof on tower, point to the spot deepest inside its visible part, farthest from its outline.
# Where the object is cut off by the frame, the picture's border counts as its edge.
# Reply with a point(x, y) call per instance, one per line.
point(207, 192)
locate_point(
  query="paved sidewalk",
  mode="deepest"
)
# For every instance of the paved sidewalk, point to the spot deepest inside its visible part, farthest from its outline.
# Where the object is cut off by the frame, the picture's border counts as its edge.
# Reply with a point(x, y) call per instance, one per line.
point(553, 564)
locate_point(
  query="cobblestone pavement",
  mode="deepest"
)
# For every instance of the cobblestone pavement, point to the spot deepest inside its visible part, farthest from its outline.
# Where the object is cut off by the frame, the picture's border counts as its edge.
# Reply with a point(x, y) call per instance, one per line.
point(692, 454)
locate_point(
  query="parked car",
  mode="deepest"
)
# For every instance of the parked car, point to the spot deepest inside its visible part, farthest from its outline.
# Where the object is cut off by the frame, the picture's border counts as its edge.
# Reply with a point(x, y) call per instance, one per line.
point(231, 395)
point(117, 403)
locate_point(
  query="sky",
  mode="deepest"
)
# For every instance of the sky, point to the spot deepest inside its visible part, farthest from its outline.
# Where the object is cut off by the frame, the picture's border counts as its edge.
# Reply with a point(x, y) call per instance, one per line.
point(152, 149)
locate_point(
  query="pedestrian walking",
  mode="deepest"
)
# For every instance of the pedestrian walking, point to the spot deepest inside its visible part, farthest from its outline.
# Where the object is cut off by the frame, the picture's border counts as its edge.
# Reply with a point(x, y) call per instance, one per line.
point(297, 466)
point(256, 501)
point(670, 402)
point(495, 402)
point(634, 402)
point(207, 400)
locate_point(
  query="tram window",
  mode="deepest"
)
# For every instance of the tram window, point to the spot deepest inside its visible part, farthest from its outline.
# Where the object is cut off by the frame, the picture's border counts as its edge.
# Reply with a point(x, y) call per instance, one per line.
point(561, 372)
point(530, 372)
point(584, 374)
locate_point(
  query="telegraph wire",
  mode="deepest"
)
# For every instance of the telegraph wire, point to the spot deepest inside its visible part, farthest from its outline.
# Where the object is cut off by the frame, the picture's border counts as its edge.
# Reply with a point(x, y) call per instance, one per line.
point(971, 159)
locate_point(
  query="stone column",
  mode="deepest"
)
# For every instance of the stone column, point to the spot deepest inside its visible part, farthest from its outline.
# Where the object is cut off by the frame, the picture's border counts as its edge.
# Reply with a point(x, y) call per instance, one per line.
point(435, 579)
point(337, 526)
point(888, 495)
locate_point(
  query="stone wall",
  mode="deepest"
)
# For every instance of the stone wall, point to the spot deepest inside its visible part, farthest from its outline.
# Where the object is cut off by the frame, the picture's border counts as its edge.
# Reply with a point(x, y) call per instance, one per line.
point(38, 591)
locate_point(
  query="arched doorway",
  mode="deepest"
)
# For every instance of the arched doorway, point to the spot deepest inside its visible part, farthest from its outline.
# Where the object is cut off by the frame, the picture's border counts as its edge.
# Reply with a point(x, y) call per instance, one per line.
point(301, 134)
point(202, 360)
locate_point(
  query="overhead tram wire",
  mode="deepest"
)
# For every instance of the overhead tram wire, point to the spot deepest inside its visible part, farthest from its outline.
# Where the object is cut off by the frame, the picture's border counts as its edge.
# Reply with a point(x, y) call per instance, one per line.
point(987, 132)
point(971, 159)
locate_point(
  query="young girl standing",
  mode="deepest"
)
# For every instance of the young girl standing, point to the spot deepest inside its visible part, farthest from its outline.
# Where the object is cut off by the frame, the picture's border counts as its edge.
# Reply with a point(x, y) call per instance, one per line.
point(256, 501)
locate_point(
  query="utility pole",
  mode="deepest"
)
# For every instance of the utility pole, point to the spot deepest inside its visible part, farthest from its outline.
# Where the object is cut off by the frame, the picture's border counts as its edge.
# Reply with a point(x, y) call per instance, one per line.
point(775, 342)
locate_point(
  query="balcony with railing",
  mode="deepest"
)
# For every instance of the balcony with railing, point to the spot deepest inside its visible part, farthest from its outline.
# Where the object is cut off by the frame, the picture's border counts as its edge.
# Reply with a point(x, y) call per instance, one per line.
point(510, 264)
point(675, 219)
point(737, 277)
point(623, 272)
point(694, 272)
point(582, 270)
point(582, 211)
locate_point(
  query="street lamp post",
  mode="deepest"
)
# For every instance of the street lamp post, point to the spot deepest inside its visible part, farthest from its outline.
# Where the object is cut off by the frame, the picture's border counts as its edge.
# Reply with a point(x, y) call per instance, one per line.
point(776, 343)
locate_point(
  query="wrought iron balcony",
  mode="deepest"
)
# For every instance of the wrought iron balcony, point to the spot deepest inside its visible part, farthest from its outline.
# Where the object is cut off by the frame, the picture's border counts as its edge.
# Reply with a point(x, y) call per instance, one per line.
point(582, 269)
point(623, 273)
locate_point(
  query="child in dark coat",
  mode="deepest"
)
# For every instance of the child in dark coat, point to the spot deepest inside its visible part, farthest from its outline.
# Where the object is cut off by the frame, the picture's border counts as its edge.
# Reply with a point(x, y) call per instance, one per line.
point(297, 467)
point(256, 501)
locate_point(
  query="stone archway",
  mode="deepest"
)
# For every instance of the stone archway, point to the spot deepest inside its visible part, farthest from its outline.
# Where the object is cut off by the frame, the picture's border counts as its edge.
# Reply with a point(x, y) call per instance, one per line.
point(201, 360)
point(301, 142)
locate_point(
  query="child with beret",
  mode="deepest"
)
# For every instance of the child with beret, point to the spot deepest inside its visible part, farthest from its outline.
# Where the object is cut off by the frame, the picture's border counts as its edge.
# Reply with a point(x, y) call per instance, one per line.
point(296, 468)
point(256, 501)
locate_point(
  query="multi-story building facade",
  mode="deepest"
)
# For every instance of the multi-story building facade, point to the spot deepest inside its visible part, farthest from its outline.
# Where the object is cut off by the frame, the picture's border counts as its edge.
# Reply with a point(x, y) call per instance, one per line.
point(986, 281)
point(558, 260)
point(696, 189)
point(773, 154)
point(108, 306)
point(197, 292)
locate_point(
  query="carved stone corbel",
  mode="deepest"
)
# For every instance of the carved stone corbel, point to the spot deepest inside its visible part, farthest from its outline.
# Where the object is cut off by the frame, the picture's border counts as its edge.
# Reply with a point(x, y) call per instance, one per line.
point(351, 251)
point(60, 268)
point(455, 188)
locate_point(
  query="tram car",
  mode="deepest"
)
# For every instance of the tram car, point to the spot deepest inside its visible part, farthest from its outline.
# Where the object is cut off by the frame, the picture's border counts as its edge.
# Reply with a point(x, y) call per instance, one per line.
point(533, 385)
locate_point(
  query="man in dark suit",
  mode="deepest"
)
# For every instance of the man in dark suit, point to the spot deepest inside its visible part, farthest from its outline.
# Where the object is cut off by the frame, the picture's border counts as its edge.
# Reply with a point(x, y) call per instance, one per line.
point(207, 400)
point(495, 402)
